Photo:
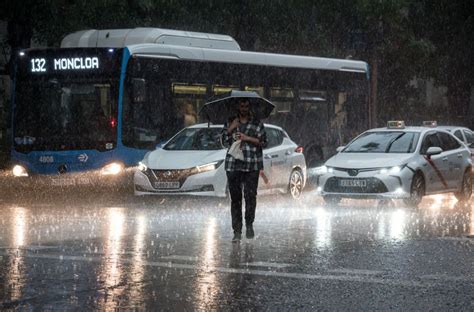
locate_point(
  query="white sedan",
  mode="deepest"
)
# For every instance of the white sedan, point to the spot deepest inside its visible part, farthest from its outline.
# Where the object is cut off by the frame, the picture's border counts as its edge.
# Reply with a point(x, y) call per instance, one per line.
point(192, 163)
point(398, 162)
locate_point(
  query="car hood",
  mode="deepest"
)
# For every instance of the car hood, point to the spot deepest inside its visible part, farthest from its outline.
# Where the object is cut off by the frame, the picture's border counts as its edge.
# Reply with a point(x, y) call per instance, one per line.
point(165, 159)
point(367, 160)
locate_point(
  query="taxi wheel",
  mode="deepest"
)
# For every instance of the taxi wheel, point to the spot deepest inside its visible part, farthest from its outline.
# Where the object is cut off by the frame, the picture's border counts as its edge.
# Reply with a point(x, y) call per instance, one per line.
point(417, 191)
point(295, 186)
point(331, 200)
point(466, 188)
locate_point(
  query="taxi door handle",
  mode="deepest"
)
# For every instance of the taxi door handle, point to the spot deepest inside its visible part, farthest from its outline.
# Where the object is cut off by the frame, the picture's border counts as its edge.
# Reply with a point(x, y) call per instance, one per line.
point(288, 153)
point(459, 155)
point(445, 158)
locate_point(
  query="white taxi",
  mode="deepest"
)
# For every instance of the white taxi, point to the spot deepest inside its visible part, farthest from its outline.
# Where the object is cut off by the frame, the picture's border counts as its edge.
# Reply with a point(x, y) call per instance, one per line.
point(398, 162)
point(192, 163)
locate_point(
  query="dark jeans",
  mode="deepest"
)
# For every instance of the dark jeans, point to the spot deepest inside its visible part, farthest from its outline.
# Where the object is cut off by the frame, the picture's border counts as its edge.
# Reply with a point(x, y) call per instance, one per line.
point(249, 182)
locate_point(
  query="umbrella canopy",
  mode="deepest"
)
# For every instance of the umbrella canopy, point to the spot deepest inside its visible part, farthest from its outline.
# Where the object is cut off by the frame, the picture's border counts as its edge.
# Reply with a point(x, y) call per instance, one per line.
point(220, 108)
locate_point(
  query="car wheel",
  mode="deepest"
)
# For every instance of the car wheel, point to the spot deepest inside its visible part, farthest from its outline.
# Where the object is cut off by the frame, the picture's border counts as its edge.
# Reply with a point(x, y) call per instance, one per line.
point(466, 187)
point(295, 186)
point(417, 191)
point(331, 200)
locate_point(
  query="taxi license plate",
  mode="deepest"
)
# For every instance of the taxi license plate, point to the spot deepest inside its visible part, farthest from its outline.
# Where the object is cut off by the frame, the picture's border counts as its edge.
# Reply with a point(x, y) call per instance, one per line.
point(63, 182)
point(353, 183)
point(167, 185)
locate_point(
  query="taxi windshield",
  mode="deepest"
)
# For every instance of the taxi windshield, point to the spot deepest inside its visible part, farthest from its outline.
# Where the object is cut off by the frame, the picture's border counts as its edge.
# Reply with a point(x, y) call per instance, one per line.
point(203, 139)
point(384, 142)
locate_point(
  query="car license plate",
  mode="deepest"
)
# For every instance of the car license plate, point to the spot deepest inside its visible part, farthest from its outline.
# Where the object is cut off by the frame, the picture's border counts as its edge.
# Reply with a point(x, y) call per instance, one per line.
point(353, 183)
point(167, 185)
point(84, 181)
point(63, 182)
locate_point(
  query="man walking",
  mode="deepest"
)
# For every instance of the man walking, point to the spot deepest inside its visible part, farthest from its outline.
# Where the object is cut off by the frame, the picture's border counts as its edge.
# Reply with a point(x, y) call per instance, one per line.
point(243, 170)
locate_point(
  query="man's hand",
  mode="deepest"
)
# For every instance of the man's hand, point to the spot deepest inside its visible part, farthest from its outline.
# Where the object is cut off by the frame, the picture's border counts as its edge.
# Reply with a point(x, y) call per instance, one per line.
point(234, 124)
point(244, 137)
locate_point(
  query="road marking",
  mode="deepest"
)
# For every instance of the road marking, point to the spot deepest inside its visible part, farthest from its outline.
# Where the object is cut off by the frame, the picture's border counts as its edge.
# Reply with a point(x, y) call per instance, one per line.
point(267, 264)
point(462, 238)
point(30, 248)
point(305, 276)
point(256, 263)
point(444, 277)
point(178, 257)
point(355, 271)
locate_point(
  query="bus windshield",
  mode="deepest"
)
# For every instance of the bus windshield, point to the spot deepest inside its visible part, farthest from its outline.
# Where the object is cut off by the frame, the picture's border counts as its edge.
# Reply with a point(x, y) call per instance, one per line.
point(65, 114)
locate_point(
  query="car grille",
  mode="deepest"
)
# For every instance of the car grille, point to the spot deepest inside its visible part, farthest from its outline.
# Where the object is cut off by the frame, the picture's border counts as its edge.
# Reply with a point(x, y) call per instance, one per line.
point(355, 172)
point(373, 185)
point(179, 175)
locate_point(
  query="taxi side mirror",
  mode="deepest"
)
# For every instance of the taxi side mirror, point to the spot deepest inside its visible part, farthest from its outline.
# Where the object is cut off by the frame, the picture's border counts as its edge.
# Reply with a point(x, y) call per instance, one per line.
point(434, 150)
point(340, 148)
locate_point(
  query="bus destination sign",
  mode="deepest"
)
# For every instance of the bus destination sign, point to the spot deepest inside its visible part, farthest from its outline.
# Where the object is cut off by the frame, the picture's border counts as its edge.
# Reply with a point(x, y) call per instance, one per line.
point(42, 65)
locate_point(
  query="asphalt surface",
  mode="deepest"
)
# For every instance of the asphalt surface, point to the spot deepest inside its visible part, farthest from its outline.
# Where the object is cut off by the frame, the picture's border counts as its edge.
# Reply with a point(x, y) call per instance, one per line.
point(109, 251)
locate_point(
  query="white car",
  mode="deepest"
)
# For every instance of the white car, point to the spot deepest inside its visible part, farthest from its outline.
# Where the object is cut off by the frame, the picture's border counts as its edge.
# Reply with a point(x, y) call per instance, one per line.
point(463, 134)
point(398, 162)
point(192, 163)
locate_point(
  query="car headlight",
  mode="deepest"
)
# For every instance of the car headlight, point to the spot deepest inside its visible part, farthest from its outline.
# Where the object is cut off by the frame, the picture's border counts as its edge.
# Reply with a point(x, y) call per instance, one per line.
point(391, 170)
point(19, 171)
point(142, 167)
point(112, 169)
point(323, 170)
point(208, 167)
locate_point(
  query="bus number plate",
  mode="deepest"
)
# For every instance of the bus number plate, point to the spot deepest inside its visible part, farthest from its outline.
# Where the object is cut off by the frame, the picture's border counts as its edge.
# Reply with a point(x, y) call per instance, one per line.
point(167, 185)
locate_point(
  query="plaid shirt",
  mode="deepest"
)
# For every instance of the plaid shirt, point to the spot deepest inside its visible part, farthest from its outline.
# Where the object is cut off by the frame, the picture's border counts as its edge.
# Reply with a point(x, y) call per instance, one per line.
point(253, 156)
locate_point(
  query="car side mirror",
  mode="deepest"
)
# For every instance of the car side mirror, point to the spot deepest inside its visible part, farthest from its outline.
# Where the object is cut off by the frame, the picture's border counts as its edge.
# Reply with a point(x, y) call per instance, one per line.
point(139, 90)
point(434, 150)
point(340, 148)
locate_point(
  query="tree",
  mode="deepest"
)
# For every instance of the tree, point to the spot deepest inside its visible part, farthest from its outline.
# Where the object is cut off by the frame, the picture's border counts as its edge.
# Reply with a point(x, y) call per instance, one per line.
point(449, 25)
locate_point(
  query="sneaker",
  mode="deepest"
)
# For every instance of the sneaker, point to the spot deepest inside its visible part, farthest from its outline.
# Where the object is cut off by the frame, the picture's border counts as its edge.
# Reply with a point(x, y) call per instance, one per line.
point(237, 237)
point(250, 233)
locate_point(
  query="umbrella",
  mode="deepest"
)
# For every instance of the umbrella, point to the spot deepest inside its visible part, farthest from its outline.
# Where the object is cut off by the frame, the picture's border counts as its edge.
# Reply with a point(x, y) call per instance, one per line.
point(220, 108)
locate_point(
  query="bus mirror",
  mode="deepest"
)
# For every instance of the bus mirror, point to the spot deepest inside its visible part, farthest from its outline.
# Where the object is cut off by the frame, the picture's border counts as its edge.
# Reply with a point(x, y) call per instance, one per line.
point(139, 90)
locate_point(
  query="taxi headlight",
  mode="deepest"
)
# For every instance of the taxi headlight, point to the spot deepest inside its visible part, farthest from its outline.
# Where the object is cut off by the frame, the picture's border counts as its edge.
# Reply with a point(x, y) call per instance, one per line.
point(391, 170)
point(19, 171)
point(142, 167)
point(112, 169)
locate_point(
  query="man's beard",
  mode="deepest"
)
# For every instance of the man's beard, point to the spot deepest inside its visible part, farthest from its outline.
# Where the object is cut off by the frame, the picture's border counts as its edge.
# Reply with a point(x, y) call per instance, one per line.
point(246, 114)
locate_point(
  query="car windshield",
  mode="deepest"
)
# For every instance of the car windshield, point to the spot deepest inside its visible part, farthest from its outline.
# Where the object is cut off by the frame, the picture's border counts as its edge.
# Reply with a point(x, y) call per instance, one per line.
point(196, 139)
point(384, 142)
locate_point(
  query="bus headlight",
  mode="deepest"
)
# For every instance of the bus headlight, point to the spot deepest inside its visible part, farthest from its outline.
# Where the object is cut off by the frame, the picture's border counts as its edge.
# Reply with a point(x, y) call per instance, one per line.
point(19, 171)
point(112, 169)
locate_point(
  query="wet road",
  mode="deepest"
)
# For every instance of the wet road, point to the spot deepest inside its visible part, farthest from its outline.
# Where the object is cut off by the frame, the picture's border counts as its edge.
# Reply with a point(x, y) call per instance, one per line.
point(97, 252)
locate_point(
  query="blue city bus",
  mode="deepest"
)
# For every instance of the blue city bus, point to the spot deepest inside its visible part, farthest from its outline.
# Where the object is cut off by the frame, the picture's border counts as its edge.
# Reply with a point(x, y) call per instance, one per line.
point(87, 112)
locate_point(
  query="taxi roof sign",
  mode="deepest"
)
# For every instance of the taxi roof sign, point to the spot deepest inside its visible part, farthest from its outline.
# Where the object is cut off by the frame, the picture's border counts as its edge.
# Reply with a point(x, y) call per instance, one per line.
point(396, 124)
point(430, 123)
